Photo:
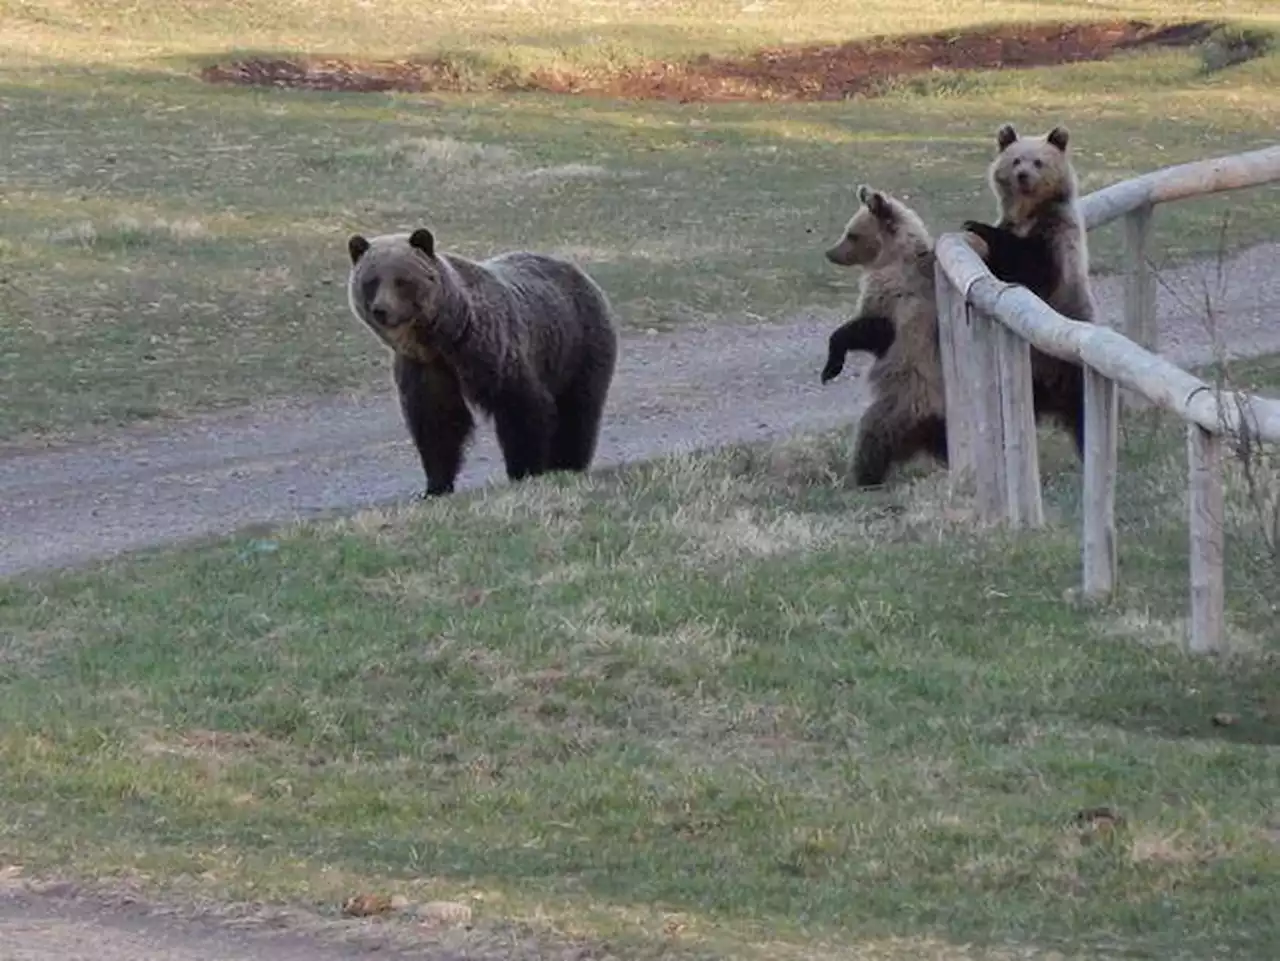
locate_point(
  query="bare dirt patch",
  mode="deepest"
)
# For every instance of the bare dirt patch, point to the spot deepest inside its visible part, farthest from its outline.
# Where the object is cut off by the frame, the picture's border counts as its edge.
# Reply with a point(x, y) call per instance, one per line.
point(815, 72)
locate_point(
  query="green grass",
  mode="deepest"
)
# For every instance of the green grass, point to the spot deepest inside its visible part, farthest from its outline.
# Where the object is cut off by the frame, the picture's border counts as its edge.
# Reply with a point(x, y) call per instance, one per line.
point(801, 720)
point(541, 33)
point(169, 247)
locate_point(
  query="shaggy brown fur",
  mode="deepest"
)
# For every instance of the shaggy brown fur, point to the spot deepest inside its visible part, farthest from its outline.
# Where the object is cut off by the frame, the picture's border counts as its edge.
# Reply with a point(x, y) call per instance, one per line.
point(526, 338)
point(1040, 242)
point(897, 320)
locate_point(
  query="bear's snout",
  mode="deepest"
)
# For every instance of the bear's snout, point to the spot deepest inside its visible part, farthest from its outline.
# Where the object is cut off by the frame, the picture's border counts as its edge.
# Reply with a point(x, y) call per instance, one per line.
point(383, 318)
point(841, 254)
point(1024, 178)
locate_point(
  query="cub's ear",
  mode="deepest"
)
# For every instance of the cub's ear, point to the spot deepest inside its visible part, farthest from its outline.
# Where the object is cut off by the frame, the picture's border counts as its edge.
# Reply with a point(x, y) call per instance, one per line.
point(1058, 137)
point(357, 247)
point(423, 240)
point(1005, 136)
point(876, 203)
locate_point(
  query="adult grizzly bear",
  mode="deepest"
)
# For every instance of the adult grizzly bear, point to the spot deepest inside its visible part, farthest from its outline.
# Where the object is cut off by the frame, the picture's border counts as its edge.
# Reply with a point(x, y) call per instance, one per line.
point(526, 338)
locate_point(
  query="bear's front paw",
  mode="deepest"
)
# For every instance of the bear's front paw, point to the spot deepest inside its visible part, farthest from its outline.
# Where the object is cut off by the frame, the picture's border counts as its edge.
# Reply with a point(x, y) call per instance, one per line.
point(832, 370)
point(981, 229)
point(439, 490)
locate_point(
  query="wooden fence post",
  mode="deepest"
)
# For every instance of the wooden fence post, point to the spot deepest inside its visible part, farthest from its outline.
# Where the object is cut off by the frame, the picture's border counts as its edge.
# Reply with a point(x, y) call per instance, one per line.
point(1208, 600)
point(983, 378)
point(1139, 281)
point(1101, 465)
point(1021, 459)
point(953, 345)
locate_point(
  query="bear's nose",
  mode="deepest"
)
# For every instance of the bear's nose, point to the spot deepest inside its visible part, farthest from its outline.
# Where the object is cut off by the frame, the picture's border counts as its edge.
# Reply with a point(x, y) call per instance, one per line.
point(1023, 177)
point(379, 315)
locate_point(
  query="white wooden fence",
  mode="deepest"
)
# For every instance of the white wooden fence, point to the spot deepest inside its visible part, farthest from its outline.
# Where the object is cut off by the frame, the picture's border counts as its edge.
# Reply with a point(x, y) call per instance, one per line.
point(985, 328)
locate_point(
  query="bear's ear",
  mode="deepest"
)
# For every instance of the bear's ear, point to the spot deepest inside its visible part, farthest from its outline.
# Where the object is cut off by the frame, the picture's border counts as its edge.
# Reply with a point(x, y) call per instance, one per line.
point(878, 206)
point(357, 247)
point(1005, 136)
point(423, 240)
point(864, 195)
point(1058, 137)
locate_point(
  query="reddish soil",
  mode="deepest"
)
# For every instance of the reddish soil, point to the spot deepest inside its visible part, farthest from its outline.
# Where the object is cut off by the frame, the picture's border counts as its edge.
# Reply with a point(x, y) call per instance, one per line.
point(830, 72)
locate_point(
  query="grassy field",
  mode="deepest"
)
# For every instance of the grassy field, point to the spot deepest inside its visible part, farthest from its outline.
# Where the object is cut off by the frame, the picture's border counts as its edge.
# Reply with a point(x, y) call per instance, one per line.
point(167, 246)
point(544, 33)
point(714, 706)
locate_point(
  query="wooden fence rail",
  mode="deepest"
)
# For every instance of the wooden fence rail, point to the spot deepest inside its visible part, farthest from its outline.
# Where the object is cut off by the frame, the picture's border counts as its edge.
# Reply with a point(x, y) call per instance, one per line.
point(986, 329)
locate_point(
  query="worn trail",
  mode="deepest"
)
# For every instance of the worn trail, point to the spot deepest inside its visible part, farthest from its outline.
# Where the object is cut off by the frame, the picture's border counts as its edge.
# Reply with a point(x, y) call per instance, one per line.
point(696, 387)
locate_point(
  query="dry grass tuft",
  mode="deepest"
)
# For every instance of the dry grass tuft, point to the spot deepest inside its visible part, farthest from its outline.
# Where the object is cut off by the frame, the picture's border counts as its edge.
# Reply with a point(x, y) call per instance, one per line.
point(1150, 630)
point(125, 231)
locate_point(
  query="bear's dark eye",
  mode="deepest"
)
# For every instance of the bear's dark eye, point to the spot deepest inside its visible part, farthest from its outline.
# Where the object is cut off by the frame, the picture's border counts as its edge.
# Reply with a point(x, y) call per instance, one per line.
point(1039, 163)
point(1017, 162)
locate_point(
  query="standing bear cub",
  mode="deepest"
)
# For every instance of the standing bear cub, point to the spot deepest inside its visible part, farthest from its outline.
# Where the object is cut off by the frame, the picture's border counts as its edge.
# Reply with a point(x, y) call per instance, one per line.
point(897, 321)
point(526, 338)
point(1040, 243)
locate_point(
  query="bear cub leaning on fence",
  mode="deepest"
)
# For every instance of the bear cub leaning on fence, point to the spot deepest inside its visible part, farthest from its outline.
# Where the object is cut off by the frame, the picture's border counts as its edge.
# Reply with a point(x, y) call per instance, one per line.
point(897, 321)
point(1039, 241)
point(526, 338)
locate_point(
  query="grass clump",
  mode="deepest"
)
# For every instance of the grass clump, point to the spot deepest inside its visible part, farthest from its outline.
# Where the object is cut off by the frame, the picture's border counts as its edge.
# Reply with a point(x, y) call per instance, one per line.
point(1233, 44)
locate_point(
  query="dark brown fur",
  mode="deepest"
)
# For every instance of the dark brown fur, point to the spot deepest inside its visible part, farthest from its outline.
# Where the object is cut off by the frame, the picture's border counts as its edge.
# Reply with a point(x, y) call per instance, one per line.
point(1039, 241)
point(526, 338)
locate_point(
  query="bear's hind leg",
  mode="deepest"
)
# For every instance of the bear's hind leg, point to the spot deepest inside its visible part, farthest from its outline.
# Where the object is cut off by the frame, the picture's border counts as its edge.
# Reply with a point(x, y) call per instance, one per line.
point(524, 421)
point(933, 438)
point(579, 411)
point(878, 437)
point(887, 437)
point(1058, 393)
point(437, 417)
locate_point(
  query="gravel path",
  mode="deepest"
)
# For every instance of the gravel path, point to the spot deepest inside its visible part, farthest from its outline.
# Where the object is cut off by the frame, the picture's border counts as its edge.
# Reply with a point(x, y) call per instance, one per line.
point(696, 387)
point(59, 922)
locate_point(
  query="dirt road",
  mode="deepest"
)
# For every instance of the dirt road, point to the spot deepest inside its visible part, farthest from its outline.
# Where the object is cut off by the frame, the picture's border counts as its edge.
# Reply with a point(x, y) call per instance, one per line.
point(35, 928)
point(59, 922)
point(696, 387)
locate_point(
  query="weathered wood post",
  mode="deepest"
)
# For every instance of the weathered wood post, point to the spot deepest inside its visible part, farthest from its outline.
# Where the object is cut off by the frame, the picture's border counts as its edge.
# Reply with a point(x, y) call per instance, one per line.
point(1021, 460)
point(953, 347)
point(1208, 596)
point(983, 376)
point(1101, 465)
point(1139, 280)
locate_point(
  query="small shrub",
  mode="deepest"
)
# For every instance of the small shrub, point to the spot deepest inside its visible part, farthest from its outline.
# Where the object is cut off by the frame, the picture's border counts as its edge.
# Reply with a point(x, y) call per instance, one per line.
point(1228, 46)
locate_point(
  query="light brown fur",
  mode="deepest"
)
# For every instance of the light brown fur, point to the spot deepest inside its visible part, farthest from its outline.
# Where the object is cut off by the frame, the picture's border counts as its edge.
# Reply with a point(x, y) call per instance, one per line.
point(527, 338)
point(908, 414)
point(1036, 189)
